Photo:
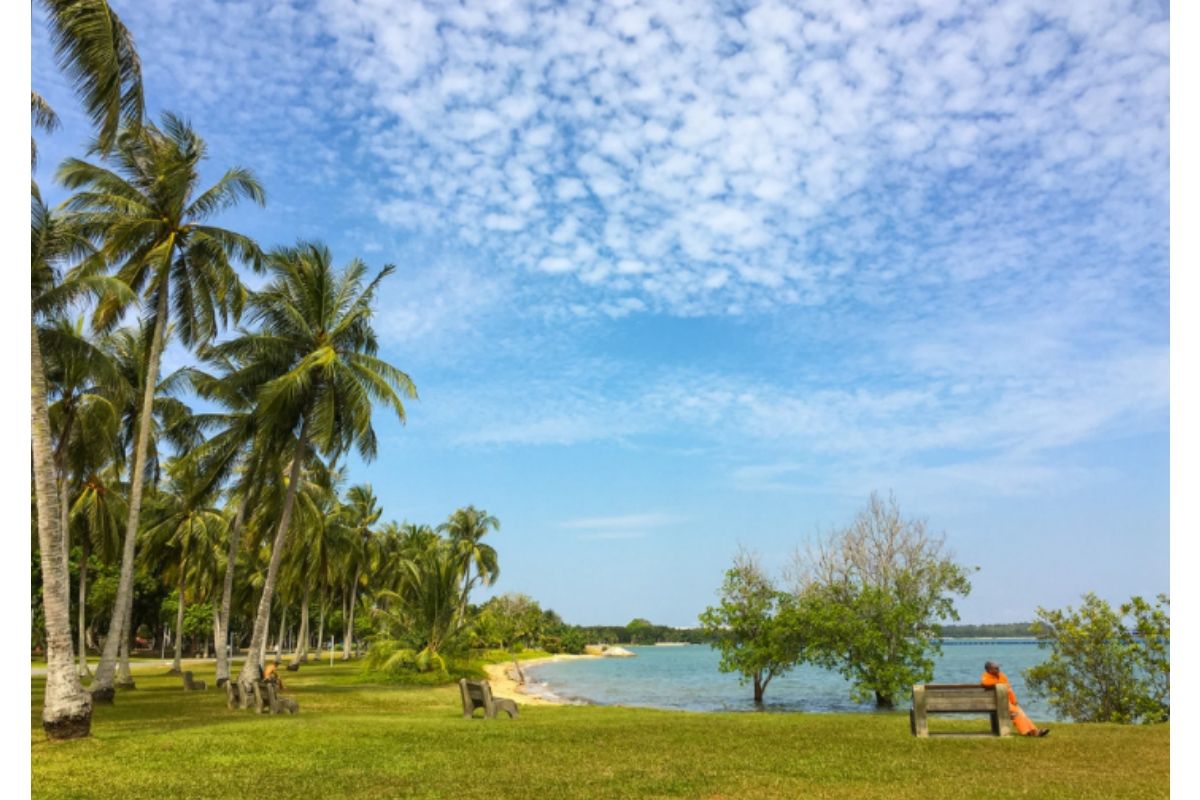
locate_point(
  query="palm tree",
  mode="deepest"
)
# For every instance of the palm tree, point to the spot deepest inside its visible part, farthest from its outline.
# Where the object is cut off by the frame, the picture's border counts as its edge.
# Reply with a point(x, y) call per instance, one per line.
point(362, 512)
point(98, 517)
point(317, 340)
point(185, 532)
point(237, 451)
point(55, 242)
point(95, 50)
point(466, 528)
point(149, 219)
point(88, 389)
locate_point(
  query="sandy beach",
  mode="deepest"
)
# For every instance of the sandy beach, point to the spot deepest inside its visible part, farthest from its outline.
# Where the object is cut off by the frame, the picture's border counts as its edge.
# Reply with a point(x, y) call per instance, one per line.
point(502, 678)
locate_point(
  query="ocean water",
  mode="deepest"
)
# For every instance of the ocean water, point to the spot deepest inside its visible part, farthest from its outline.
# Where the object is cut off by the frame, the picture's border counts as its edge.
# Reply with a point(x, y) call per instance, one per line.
point(687, 678)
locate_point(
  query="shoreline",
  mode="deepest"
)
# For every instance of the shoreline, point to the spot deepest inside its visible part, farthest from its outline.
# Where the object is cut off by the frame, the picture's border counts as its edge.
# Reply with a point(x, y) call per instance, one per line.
point(505, 684)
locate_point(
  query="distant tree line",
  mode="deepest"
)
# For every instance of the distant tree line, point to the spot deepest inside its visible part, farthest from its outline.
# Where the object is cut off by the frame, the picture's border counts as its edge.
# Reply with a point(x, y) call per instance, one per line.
point(988, 631)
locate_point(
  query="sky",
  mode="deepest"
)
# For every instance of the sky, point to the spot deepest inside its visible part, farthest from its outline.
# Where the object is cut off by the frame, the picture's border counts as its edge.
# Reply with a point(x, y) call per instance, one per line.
point(679, 279)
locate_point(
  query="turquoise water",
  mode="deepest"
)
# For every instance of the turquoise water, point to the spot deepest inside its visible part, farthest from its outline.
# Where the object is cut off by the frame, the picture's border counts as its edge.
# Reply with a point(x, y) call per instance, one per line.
point(687, 678)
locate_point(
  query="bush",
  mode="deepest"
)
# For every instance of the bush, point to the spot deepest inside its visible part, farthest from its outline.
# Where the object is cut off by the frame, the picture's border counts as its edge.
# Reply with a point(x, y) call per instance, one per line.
point(1106, 665)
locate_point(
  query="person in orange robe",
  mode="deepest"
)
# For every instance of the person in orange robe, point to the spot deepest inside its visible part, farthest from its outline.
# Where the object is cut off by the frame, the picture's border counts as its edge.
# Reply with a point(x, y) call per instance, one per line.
point(991, 676)
point(272, 673)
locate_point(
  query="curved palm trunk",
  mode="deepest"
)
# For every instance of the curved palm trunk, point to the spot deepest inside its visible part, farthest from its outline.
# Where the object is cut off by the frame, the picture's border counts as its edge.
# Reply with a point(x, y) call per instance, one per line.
point(83, 571)
point(302, 637)
point(221, 618)
point(320, 629)
point(258, 640)
point(348, 637)
point(177, 665)
point(102, 685)
point(67, 708)
point(124, 676)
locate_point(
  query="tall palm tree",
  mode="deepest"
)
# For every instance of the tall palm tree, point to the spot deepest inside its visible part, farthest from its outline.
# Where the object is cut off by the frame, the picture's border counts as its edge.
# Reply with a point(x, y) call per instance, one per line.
point(96, 51)
point(236, 452)
point(150, 220)
point(185, 530)
point(88, 389)
point(317, 339)
point(55, 244)
point(466, 528)
point(362, 512)
point(97, 519)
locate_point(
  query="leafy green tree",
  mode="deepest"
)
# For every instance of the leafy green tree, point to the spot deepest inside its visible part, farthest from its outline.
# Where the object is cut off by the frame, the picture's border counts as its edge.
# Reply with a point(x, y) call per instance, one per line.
point(1106, 665)
point(511, 618)
point(872, 596)
point(753, 627)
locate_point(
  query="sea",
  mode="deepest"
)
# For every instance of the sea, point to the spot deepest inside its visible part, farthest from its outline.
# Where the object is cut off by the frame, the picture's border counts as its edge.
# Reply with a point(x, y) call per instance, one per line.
point(686, 677)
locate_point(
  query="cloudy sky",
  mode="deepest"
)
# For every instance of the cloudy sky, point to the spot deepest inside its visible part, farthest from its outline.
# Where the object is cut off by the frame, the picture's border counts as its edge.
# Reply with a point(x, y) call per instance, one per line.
point(675, 278)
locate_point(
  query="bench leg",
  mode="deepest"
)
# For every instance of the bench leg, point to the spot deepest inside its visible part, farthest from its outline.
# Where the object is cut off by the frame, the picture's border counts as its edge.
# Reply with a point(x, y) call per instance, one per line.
point(919, 720)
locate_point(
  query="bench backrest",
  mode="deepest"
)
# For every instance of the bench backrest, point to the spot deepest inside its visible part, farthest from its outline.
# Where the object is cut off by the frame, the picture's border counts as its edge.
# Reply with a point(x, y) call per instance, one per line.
point(963, 697)
point(476, 694)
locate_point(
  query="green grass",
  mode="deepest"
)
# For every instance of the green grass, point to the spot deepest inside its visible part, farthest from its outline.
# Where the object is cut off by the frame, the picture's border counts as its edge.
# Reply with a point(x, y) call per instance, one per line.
point(352, 739)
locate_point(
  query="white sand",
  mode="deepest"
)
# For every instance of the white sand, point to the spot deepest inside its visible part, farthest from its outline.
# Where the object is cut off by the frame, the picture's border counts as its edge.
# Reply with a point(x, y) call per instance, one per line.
point(503, 680)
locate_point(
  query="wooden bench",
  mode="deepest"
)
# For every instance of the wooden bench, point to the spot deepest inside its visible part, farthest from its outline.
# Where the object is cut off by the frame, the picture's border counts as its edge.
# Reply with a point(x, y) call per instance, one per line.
point(960, 698)
point(191, 684)
point(478, 694)
point(278, 703)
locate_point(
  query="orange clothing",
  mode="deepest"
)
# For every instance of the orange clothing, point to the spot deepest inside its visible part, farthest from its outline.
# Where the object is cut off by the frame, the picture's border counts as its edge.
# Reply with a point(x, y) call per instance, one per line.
point(271, 673)
point(1025, 727)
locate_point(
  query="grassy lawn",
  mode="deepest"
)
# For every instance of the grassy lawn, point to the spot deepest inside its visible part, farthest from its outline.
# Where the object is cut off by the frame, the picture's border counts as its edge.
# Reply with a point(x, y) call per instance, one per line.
point(392, 741)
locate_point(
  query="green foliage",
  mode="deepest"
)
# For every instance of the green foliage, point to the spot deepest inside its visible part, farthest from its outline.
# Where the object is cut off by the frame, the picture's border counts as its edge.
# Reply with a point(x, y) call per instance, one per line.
point(510, 620)
point(872, 597)
point(753, 627)
point(1106, 665)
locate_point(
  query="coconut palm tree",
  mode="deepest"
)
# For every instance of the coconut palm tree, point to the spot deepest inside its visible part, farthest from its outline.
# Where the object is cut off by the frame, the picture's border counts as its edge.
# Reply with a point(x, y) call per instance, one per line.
point(87, 388)
point(317, 339)
point(466, 528)
point(97, 519)
point(57, 243)
point(183, 534)
point(150, 220)
point(362, 511)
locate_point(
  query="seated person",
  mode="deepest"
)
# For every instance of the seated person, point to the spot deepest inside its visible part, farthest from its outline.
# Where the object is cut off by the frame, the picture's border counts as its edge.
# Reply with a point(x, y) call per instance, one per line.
point(992, 676)
point(271, 673)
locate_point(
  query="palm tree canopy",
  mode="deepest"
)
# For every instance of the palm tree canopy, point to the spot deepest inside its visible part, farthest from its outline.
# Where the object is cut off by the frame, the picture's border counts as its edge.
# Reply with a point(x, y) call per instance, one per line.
point(314, 358)
point(149, 216)
point(95, 50)
point(466, 528)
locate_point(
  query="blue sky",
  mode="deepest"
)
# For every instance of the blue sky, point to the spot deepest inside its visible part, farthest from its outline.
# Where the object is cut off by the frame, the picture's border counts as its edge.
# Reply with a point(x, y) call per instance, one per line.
point(676, 278)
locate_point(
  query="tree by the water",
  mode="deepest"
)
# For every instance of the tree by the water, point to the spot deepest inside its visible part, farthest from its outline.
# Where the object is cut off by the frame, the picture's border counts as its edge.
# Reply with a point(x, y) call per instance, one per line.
point(872, 596)
point(754, 626)
point(1106, 664)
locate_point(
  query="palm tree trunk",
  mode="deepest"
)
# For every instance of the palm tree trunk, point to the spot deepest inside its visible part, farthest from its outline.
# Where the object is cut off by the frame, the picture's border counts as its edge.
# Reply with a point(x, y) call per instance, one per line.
point(321, 629)
point(222, 619)
point(124, 676)
point(83, 571)
point(102, 685)
point(67, 708)
point(177, 666)
point(253, 660)
point(348, 638)
point(282, 632)
point(302, 637)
